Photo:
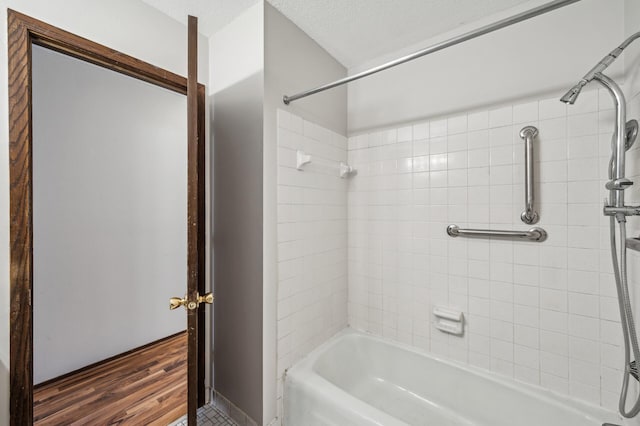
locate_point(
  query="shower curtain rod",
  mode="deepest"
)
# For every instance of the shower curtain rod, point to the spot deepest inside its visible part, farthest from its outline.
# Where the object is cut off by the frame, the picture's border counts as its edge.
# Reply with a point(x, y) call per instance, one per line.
point(523, 16)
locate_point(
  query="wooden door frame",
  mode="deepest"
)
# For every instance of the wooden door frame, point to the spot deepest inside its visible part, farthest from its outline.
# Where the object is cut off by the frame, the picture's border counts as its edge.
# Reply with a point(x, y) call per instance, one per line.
point(23, 31)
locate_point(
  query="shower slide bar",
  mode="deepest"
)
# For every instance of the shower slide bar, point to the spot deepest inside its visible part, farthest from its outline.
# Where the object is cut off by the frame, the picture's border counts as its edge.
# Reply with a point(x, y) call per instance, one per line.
point(533, 234)
point(523, 16)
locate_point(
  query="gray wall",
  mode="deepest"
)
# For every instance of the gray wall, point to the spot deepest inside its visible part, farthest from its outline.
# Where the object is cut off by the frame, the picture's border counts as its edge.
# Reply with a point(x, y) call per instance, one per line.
point(293, 62)
point(237, 242)
point(244, 181)
point(236, 84)
point(109, 160)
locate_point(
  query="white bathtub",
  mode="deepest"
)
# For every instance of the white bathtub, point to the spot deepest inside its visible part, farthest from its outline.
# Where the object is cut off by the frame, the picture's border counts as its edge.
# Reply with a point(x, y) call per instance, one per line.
point(357, 379)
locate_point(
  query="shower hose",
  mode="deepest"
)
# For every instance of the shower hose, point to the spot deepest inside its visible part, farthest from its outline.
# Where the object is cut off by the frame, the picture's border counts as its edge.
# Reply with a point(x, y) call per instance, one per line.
point(626, 315)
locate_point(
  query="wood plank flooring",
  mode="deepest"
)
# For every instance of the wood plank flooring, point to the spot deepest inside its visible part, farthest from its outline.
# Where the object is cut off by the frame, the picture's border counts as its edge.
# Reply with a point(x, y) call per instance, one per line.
point(145, 387)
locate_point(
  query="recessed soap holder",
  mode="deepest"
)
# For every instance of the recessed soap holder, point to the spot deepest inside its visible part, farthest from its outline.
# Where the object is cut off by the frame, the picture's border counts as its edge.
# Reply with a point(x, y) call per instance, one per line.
point(449, 320)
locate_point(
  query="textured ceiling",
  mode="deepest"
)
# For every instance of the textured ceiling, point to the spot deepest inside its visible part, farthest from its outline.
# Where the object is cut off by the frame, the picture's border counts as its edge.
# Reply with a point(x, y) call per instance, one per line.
point(353, 31)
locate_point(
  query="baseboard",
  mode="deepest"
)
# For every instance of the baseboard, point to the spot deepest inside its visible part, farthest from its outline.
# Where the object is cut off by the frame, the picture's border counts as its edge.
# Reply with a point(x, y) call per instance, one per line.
point(228, 408)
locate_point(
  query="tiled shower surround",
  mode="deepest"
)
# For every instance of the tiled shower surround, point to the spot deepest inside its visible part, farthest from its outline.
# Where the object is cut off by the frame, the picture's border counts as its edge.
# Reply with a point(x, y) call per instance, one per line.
point(312, 240)
point(543, 313)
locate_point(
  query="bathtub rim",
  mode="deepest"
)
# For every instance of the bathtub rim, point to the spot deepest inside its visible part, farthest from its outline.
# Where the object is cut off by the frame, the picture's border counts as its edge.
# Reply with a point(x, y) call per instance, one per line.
point(304, 369)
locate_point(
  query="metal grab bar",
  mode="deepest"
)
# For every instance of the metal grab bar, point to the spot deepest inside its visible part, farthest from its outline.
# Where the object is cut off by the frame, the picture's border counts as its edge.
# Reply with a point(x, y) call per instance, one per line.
point(529, 215)
point(533, 234)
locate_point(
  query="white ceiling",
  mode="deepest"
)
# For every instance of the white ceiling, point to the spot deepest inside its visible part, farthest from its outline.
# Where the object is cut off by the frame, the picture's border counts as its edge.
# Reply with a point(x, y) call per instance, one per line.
point(353, 31)
point(357, 31)
point(212, 14)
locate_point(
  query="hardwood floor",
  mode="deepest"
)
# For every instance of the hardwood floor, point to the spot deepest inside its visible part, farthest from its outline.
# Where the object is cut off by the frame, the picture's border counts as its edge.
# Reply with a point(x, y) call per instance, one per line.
point(145, 387)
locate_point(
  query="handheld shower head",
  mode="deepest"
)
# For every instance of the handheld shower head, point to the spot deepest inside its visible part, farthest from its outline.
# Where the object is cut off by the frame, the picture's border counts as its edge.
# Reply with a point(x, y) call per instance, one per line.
point(573, 93)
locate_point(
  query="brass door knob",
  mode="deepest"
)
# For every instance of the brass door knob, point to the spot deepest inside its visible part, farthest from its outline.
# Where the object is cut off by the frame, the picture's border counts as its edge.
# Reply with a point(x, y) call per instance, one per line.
point(206, 298)
point(176, 302)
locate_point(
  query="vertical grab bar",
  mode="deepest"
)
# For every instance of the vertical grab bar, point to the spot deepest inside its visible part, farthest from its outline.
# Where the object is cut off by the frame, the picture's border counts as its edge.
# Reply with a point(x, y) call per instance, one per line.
point(529, 215)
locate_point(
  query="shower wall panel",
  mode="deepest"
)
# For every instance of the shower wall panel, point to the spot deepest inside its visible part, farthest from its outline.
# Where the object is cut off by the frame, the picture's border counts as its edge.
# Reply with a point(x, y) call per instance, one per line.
point(543, 313)
point(312, 240)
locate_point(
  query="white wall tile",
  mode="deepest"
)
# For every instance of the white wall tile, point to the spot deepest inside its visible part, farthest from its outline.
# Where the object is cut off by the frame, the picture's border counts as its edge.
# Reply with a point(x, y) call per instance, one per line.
point(478, 120)
point(588, 103)
point(525, 113)
point(501, 116)
point(457, 125)
point(312, 233)
point(438, 128)
point(551, 108)
point(582, 125)
point(421, 131)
